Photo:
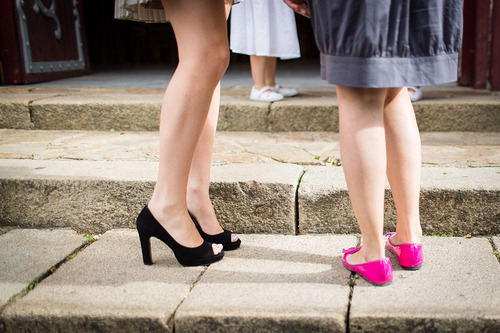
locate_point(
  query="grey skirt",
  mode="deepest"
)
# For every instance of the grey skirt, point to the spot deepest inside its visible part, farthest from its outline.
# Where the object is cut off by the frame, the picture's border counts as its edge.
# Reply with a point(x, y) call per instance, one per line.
point(388, 43)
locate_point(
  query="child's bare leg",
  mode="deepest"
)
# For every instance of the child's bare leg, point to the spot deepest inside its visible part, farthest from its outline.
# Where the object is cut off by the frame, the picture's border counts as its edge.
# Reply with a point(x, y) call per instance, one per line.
point(198, 199)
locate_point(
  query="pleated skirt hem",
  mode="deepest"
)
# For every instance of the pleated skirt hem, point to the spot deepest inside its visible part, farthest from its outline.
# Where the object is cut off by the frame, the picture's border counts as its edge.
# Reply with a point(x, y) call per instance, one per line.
point(389, 72)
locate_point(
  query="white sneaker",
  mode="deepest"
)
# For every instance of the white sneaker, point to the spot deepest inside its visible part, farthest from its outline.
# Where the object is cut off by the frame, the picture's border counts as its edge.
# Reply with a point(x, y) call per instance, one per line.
point(415, 93)
point(287, 92)
point(265, 94)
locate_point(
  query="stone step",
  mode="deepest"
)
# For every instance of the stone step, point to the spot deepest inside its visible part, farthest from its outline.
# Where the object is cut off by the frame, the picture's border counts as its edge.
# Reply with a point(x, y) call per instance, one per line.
point(273, 283)
point(445, 108)
point(274, 198)
point(261, 182)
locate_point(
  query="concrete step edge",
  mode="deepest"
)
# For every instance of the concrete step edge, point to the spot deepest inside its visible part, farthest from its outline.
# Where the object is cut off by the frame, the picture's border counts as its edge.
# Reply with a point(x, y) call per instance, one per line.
point(95, 196)
point(141, 113)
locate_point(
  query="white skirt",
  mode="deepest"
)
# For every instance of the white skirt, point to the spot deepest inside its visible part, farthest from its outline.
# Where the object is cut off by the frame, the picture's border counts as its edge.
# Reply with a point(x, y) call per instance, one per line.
point(264, 28)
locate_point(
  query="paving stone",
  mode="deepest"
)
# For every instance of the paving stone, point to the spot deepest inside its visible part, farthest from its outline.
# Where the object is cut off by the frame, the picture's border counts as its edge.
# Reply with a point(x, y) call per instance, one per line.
point(456, 290)
point(438, 148)
point(28, 254)
point(106, 288)
point(453, 200)
point(273, 283)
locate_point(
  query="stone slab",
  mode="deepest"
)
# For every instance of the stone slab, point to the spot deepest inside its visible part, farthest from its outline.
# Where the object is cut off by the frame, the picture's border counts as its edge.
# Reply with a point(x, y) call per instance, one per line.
point(305, 114)
point(106, 288)
point(453, 200)
point(273, 283)
point(256, 198)
point(241, 114)
point(461, 114)
point(315, 109)
point(456, 290)
point(95, 196)
point(28, 254)
point(98, 112)
point(450, 149)
point(15, 109)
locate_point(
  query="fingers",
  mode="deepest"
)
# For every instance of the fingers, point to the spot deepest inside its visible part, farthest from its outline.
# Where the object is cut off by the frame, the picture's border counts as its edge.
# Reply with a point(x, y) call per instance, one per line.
point(299, 6)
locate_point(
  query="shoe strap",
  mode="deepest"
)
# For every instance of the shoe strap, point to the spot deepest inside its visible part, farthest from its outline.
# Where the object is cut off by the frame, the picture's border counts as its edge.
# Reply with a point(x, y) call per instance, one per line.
point(351, 250)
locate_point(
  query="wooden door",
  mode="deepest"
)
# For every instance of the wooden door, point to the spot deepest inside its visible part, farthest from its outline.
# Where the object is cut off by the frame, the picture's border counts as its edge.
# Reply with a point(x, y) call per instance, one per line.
point(480, 65)
point(42, 40)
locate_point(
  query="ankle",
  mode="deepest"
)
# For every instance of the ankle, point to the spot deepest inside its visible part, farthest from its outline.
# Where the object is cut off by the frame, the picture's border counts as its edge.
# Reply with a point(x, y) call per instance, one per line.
point(161, 208)
point(403, 236)
point(259, 86)
point(198, 201)
point(372, 251)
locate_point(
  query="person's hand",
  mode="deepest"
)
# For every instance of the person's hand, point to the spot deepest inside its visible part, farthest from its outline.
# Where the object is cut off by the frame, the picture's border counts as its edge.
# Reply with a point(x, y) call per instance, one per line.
point(299, 6)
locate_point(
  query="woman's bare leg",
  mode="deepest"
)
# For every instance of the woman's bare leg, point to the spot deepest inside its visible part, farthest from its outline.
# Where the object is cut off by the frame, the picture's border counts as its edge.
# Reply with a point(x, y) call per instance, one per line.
point(404, 159)
point(363, 150)
point(203, 58)
point(198, 199)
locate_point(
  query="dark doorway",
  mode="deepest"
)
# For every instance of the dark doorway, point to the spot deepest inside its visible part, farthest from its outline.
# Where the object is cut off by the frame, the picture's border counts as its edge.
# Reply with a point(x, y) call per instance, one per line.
point(118, 43)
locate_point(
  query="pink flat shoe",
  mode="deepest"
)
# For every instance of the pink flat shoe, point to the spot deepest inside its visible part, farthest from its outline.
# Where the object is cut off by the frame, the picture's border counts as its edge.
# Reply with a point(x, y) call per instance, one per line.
point(377, 272)
point(410, 255)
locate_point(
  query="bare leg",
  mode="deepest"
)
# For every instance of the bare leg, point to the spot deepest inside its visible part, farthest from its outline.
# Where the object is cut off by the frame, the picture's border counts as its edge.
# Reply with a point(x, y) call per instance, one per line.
point(263, 71)
point(203, 58)
point(270, 71)
point(403, 164)
point(363, 149)
point(258, 68)
point(198, 199)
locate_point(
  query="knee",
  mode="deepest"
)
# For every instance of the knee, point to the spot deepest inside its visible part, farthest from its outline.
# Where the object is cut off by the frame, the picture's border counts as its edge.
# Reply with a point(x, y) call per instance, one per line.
point(211, 61)
point(364, 97)
point(218, 59)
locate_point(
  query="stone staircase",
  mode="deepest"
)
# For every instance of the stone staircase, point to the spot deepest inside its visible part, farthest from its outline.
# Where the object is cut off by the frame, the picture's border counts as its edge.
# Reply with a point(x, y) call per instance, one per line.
point(85, 159)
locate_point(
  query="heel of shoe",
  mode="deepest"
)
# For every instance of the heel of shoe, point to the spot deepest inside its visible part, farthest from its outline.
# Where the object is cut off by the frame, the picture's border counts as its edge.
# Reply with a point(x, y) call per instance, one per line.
point(409, 255)
point(146, 248)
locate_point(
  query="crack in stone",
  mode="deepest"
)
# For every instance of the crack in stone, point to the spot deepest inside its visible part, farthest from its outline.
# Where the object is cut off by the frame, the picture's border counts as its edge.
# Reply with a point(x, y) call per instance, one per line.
point(171, 319)
point(45, 275)
point(297, 217)
point(494, 249)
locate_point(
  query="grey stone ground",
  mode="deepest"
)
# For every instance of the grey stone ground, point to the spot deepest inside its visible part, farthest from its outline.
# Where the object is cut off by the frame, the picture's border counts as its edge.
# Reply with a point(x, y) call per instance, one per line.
point(453, 149)
point(273, 283)
point(268, 179)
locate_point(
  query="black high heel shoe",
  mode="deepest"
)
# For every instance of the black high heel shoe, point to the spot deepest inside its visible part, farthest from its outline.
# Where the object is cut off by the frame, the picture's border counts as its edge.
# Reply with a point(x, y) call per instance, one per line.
point(148, 227)
point(223, 238)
